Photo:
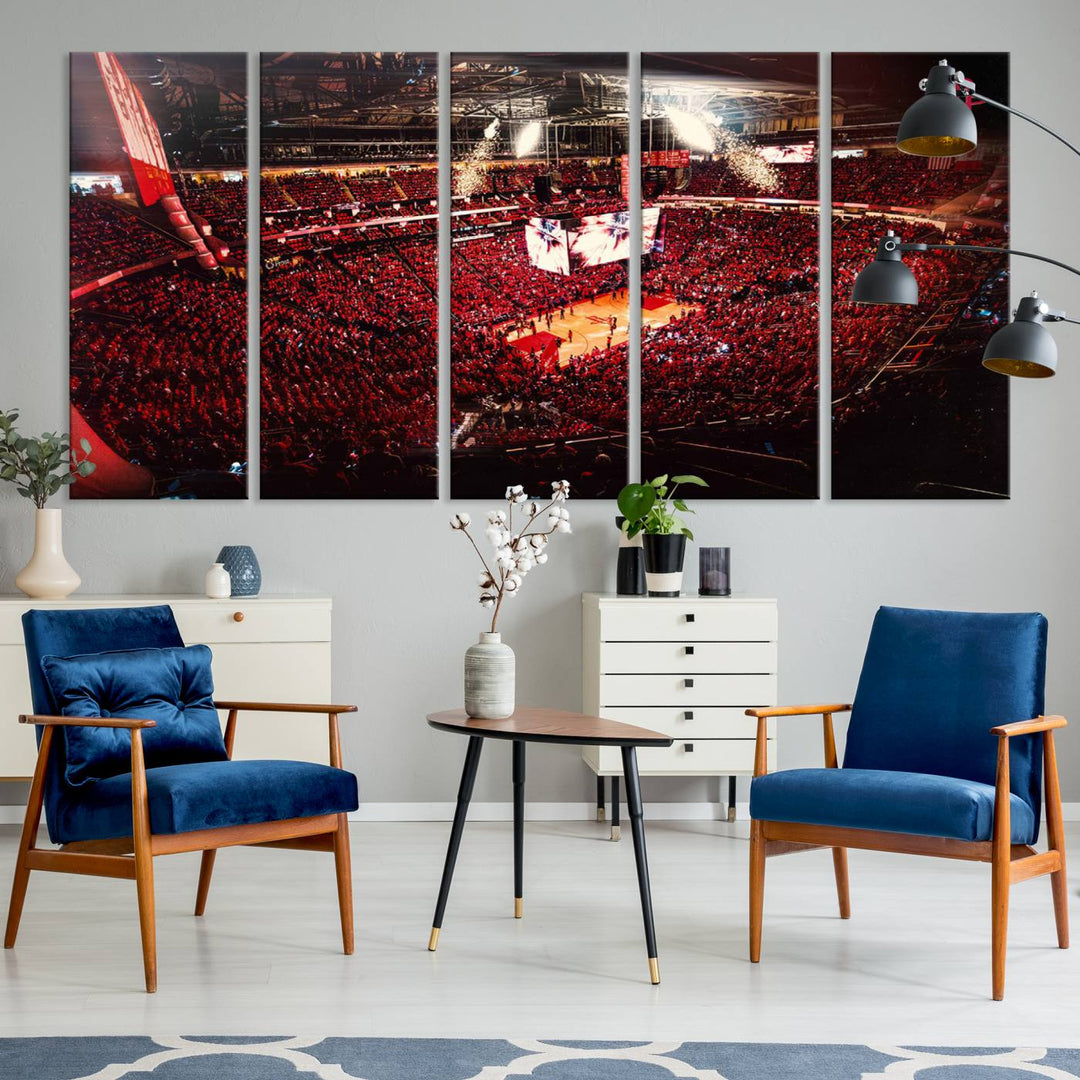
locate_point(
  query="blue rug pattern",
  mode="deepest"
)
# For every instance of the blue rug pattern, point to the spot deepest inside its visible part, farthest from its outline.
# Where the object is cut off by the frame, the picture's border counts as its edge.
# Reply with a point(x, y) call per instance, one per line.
point(290, 1058)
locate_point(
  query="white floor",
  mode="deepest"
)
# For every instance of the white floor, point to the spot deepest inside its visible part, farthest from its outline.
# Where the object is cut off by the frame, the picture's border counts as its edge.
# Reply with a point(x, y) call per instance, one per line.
point(911, 966)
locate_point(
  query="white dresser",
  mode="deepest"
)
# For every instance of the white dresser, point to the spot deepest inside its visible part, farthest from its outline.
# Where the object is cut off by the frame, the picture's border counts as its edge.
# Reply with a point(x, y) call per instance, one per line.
point(686, 666)
point(266, 648)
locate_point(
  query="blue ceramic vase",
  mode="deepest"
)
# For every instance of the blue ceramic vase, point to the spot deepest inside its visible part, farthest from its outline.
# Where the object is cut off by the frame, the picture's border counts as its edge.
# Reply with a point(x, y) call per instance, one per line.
point(243, 568)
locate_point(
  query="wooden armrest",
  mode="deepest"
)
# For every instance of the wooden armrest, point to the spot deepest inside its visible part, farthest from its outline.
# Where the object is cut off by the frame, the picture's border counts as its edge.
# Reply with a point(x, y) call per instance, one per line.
point(798, 710)
point(278, 706)
point(1029, 727)
point(87, 721)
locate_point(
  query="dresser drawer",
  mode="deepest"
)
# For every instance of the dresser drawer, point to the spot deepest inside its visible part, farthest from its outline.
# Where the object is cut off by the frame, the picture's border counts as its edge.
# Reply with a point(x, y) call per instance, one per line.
point(686, 691)
point(692, 723)
point(213, 621)
point(688, 620)
point(688, 657)
point(709, 757)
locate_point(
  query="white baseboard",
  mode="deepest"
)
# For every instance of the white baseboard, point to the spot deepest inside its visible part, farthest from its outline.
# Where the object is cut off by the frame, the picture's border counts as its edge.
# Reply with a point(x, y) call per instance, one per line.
point(12, 814)
point(542, 811)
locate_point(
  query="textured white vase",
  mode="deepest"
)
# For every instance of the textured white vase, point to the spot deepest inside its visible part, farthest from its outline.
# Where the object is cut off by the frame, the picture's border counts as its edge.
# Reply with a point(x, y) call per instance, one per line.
point(489, 678)
point(48, 575)
point(218, 582)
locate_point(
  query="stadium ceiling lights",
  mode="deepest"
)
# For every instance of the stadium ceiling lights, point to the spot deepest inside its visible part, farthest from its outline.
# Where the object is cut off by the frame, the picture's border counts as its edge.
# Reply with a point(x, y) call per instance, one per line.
point(692, 129)
point(941, 123)
point(528, 139)
point(1023, 348)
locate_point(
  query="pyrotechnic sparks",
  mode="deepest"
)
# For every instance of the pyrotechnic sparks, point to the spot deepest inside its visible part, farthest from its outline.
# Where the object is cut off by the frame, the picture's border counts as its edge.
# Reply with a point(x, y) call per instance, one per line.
point(742, 158)
point(470, 175)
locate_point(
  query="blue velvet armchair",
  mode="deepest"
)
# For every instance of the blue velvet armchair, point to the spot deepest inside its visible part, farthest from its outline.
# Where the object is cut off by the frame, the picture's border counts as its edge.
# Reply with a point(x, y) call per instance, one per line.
point(132, 763)
point(947, 751)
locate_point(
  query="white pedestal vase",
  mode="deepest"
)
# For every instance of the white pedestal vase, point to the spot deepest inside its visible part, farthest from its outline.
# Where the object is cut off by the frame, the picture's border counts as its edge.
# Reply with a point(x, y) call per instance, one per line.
point(48, 575)
point(489, 678)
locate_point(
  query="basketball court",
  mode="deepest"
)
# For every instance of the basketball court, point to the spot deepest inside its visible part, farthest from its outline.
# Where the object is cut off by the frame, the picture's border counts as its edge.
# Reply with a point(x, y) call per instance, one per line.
point(588, 327)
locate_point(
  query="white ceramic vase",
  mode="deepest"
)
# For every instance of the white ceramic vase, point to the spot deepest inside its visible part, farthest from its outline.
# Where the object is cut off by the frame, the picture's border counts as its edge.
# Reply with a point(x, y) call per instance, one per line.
point(489, 678)
point(218, 582)
point(48, 575)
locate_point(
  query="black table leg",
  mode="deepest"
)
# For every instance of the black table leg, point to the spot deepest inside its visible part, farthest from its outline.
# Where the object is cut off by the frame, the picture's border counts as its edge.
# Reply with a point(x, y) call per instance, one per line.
point(637, 827)
point(519, 826)
point(600, 798)
point(468, 778)
point(615, 800)
point(731, 798)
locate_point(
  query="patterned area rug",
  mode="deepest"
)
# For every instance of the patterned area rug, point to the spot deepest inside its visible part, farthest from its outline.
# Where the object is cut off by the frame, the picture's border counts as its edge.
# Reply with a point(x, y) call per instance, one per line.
point(281, 1058)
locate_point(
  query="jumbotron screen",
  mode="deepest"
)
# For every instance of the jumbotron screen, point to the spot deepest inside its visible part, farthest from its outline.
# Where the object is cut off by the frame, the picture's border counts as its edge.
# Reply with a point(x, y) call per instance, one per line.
point(547, 244)
point(651, 237)
point(599, 239)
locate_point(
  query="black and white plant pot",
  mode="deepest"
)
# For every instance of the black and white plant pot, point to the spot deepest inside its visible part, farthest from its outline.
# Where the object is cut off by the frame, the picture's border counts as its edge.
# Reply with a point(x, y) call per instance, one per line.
point(664, 555)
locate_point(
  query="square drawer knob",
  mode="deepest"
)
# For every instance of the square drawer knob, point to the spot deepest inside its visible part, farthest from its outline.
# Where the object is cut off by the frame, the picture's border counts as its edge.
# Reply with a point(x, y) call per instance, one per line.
point(688, 747)
point(689, 650)
point(688, 715)
point(688, 684)
point(689, 616)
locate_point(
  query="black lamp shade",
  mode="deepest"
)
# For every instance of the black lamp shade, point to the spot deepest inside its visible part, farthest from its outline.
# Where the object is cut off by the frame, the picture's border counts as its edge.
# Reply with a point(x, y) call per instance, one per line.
point(885, 282)
point(939, 124)
point(1023, 349)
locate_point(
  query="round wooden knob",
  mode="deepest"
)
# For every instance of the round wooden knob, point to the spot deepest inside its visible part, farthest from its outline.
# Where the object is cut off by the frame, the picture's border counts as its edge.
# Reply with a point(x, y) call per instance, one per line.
point(238, 616)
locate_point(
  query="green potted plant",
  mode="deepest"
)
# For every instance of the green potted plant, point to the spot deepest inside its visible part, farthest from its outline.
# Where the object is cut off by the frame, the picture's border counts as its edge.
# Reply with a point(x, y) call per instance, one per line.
point(653, 510)
point(39, 467)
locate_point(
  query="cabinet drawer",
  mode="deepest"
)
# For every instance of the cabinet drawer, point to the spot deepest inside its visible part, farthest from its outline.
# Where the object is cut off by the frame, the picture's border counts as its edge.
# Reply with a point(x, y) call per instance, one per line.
point(688, 620)
point(709, 757)
point(215, 621)
point(677, 657)
point(686, 691)
point(691, 723)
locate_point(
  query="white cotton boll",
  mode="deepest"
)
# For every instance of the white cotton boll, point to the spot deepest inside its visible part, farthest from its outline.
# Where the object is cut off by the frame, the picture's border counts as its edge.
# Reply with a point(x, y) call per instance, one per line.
point(459, 521)
point(541, 559)
point(536, 541)
point(560, 490)
point(486, 580)
point(563, 526)
point(496, 517)
point(553, 518)
point(494, 535)
point(487, 600)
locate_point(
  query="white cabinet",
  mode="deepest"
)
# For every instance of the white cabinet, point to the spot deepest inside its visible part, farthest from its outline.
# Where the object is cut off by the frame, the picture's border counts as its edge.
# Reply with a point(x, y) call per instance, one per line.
point(266, 648)
point(687, 666)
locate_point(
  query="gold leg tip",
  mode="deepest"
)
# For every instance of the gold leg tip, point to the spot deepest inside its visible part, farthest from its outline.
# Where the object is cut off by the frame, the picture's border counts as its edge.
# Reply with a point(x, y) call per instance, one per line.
point(600, 814)
point(433, 940)
point(519, 907)
point(654, 971)
point(616, 832)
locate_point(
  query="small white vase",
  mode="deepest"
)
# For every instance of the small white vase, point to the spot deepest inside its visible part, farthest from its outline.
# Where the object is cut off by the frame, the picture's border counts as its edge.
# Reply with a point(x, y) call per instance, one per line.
point(218, 582)
point(489, 679)
point(48, 575)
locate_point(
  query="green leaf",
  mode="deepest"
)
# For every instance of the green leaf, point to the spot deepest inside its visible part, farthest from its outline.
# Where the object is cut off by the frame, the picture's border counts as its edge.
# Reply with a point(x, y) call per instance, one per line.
point(85, 468)
point(85, 444)
point(680, 505)
point(8, 472)
point(687, 533)
point(660, 481)
point(69, 478)
point(695, 480)
point(635, 501)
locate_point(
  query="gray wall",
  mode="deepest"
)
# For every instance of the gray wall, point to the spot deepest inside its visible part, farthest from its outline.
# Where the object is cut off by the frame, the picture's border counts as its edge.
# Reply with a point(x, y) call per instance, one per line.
point(402, 583)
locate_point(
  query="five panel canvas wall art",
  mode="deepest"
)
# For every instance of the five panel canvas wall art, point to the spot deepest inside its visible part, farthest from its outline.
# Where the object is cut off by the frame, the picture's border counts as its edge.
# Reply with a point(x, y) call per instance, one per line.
point(541, 243)
point(729, 281)
point(915, 415)
point(158, 282)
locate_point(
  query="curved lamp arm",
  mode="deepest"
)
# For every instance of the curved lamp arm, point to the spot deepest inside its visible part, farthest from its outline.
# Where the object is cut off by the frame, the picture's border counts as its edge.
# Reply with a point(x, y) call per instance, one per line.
point(992, 250)
point(1023, 116)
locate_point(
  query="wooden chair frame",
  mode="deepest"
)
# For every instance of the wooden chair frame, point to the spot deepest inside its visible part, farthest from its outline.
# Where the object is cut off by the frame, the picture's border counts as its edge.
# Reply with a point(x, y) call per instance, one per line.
point(132, 857)
point(1009, 863)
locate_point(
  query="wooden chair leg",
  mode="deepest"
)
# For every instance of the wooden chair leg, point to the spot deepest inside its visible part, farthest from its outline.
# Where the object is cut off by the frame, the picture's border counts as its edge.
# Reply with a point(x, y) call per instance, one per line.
point(757, 888)
point(206, 871)
point(1000, 871)
point(343, 867)
point(1055, 829)
point(144, 862)
point(27, 841)
point(839, 858)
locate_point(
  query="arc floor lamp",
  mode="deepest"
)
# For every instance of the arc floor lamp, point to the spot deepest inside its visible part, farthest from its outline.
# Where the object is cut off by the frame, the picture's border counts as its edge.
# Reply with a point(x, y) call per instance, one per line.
point(942, 124)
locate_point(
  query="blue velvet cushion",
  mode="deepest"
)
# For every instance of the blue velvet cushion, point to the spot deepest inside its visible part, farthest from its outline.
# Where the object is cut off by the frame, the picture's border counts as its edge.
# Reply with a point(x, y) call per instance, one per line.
point(65, 632)
point(172, 686)
point(209, 795)
point(933, 684)
point(921, 804)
